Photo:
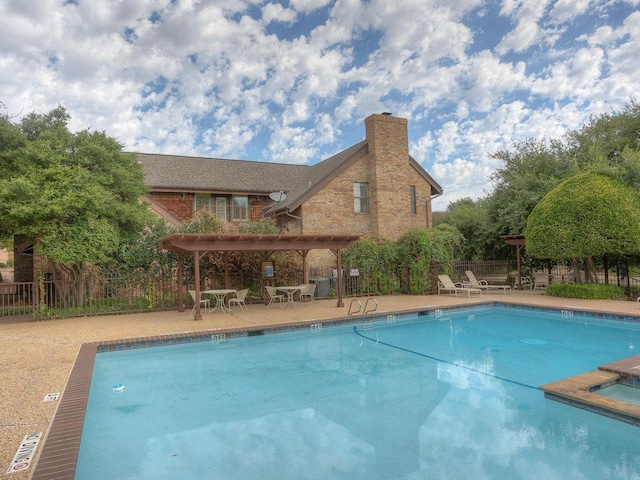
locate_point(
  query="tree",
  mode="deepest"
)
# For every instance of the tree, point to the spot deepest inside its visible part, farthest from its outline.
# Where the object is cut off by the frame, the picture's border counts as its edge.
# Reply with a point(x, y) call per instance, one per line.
point(604, 137)
point(529, 173)
point(421, 254)
point(470, 219)
point(607, 143)
point(375, 257)
point(586, 216)
point(75, 195)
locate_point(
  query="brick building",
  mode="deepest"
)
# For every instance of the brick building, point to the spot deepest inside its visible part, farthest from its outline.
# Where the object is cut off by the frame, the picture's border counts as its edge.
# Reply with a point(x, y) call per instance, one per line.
point(374, 188)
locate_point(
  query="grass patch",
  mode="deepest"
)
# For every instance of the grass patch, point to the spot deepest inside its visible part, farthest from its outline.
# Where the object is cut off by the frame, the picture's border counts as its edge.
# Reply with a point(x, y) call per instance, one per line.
point(585, 290)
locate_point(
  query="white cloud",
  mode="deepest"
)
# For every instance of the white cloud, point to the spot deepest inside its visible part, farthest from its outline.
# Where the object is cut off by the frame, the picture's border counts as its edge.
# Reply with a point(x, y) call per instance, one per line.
point(487, 79)
point(527, 15)
point(229, 137)
point(274, 12)
point(289, 81)
point(307, 6)
point(575, 77)
point(447, 139)
point(326, 129)
point(564, 10)
point(459, 178)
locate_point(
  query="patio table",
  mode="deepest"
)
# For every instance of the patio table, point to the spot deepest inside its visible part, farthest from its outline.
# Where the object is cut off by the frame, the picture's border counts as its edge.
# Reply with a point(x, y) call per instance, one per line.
point(220, 296)
point(290, 291)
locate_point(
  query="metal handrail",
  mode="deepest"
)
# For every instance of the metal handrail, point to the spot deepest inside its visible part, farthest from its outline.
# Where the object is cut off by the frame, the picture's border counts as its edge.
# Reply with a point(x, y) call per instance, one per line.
point(367, 303)
point(355, 300)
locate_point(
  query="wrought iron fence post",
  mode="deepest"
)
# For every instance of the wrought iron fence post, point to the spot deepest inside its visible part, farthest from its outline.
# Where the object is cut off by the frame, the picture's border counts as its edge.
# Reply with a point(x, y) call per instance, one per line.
point(36, 297)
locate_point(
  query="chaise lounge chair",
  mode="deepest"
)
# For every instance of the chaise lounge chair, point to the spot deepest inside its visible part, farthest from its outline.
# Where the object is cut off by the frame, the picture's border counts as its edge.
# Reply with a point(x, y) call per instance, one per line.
point(483, 285)
point(445, 284)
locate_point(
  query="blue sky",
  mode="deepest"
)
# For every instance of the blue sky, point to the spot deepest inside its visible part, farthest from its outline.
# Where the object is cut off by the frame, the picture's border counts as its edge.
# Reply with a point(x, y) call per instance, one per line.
point(292, 81)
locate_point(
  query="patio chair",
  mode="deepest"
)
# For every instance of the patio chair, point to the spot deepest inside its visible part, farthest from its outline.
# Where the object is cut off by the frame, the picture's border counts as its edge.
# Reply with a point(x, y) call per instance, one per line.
point(525, 282)
point(203, 301)
point(239, 299)
point(445, 284)
point(274, 295)
point(307, 290)
point(483, 285)
point(540, 280)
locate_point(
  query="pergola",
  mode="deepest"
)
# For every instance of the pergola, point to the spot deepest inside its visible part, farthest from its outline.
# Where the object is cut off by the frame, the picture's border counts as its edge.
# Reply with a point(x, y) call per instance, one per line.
point(519, 242)
point(199, 244)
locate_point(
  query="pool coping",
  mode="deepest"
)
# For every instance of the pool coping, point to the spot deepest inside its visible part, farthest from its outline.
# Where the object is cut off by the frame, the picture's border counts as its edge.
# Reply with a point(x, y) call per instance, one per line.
point(580, 390)
point(59, 454)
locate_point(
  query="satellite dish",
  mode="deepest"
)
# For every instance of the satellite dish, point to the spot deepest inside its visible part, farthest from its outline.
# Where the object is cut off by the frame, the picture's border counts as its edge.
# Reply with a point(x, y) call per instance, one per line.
point(277, 196)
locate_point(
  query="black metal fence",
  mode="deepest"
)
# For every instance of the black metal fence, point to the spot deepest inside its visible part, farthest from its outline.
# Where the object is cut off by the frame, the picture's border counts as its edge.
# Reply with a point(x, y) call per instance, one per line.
point(98, 295)
point(101, 295)
point(506, 273)
point(495, 272)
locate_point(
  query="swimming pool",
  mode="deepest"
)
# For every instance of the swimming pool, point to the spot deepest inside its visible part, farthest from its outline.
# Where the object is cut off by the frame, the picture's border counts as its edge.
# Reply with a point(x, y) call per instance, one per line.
point(447, 395)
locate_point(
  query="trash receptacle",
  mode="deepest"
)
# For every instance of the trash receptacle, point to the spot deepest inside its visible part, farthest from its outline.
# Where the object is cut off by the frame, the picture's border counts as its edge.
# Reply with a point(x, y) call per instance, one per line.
point(323, 287)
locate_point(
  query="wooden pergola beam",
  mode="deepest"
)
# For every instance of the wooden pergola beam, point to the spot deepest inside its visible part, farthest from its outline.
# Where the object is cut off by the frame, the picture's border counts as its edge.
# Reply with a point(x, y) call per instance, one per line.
point(254, 242)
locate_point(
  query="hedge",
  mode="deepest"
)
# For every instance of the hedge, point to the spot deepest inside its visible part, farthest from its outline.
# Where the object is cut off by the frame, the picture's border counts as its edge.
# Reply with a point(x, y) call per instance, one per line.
point(584, 290)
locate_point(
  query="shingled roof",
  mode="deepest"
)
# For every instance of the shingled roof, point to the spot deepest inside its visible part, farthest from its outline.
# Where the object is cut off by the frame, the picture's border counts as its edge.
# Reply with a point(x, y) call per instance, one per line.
point(171, 173)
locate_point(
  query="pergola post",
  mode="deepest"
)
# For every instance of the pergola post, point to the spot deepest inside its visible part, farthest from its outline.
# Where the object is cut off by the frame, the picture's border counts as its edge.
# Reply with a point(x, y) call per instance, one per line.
point(339, 288)
point(180, 284)
point(519, 242)
point(305, 273)
point(196, 268)
point(226, 270)
point(519, 255)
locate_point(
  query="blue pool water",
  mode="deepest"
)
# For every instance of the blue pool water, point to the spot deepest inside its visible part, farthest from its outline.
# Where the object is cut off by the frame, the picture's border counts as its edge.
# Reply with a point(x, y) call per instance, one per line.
point(452, 396)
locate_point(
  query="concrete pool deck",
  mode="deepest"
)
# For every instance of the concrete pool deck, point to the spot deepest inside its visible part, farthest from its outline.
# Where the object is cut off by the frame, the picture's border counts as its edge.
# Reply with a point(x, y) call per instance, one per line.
point(36, 358)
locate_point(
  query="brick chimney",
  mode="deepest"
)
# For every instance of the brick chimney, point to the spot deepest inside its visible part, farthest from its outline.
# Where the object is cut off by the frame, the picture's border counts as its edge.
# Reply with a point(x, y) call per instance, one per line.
point(388, 141)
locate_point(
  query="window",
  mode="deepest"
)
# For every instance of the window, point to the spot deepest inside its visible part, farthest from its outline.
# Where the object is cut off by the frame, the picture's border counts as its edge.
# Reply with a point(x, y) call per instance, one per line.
point(221, 208)
point(201, 200)
point(413, 199)
point(361, 197)
point(239, 208)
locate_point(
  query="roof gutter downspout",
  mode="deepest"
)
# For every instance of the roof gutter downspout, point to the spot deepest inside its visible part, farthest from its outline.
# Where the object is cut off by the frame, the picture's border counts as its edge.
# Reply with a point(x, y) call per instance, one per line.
point(292, 215)
point(286, 212)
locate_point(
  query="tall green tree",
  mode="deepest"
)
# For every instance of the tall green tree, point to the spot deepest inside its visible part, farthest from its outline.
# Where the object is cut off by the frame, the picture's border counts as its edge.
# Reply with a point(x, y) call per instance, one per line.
point(586, 216)
point(470, 219)
point(530, 171)
point(604, 137)
point(375, 257)
point(422, 254)
point(75, 195)
point(607, 143)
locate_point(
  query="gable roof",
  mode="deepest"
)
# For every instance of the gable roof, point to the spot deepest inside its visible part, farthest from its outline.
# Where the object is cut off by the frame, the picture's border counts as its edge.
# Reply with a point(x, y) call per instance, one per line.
point(171, 173)
point(317, 176)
